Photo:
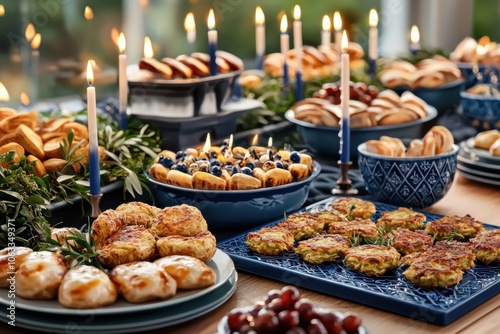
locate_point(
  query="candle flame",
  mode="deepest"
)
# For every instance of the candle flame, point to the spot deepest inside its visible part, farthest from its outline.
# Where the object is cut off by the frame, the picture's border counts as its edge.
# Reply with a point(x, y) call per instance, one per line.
point(230, 142)
point(414, 34)
point(211, 19)
point(345, 42)
point(373, 20)
point(260, 19)
point(114, 35)
point(90, 73)
point(25, 99)
point(327, 25)
point(208, 144)
point(30, 32)
point(255, 139)
point(284, 24)
point(480, 50)
point(337, 21)
point(88, 13)
point(4, 94)
point(35, 42)
point(270, 142)
point(122, 43)
point(148, 48)
point(144, 3)
point(2, 10)
point(296, 13)
point(189, 23)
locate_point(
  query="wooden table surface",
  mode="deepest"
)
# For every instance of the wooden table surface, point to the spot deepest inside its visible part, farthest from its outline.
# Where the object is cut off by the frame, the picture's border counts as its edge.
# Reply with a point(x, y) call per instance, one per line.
point(465, 197)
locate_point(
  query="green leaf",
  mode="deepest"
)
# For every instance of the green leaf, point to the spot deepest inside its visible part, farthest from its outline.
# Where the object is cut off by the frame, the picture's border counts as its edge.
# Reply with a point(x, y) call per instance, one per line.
point(37, 200)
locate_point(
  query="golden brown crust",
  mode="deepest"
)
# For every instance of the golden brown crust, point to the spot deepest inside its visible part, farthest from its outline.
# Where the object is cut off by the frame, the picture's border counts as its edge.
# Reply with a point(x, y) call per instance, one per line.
point(407, 241)
point(189, 272)
point(138, 213)
point(157, 67)
point(430, 274)
point(323, 248)
point(445, 252)
point(105, 225)
point(201, 246)
point(401, 217)
point(364, 228)
point(303, 225)
point(442, 228)
point(184, 220)
point(19, 253)
point(353, 207)
point(373, 260)
point(486, 246)
point(270, 241)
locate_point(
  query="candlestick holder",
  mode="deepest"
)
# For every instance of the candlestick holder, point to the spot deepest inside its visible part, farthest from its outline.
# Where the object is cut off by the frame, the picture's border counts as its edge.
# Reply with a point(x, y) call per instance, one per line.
point(344, 184)
point(94, 203)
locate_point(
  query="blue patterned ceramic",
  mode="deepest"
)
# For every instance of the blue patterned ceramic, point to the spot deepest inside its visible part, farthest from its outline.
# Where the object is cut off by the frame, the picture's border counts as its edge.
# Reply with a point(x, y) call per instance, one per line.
point(483, 112)
point(324, 140)
point(410, 182)
point(481, 74)
point(442, 98)
point(390, 292)
point(236, 209)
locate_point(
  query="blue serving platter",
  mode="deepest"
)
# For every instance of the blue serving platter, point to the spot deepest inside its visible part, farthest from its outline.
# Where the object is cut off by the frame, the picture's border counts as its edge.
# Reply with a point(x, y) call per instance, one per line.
point(391, 292)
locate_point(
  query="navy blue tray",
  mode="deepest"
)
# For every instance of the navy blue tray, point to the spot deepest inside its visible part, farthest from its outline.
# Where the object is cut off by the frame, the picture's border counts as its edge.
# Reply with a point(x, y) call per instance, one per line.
point(391, 292)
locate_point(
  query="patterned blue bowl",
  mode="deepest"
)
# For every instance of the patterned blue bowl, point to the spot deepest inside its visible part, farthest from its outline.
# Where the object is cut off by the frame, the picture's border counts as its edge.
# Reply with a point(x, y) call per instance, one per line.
point(237, 209)
point(408, 182)
point(480, 111)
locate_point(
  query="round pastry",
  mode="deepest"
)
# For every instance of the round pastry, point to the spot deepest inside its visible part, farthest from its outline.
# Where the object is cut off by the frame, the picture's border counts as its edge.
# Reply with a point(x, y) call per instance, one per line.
point(409, 98)
point(353, 207)
point(207, 181)
point(105, 225)
point(180, 179)
point(183, 220)
point(143, 281)
point(189, 272)
point(8, 138)
point(179, 69)
point(277, 177)
point(80, 130)
point(427, 78)
point(54, 125)
point(373, 260)
point(18, 149)
point(330, 217)
point(270, 241)
point(6, 112)
point(85, 287)
point(10, 259)
point(432, 273)
point(157, 67)
point(130, 243)
point(395, 116)
point(443, 138)
point(486, 246)
point(495, 148)
point(363, 228)
point(415, 149)
point(61, 233)
point(138, 213)
point(429, 146)
point(54, 164)
point(240, 181)
point(449, 226)
point(398, 148)
point(447, 253)
point(39, 275)
point(198, 67)
point(235, 63)
point(485, 139)
point(10, 123)
point(323, 248)
point(407, 241)
point(392, 78)
point(303, 225)
point(401, 217)
point(30, 140)
point(201, 246)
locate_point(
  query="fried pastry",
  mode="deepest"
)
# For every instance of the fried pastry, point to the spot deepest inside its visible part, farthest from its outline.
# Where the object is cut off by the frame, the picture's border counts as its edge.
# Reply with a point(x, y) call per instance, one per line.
point(363, 228)
point(143, 281)
point(62, 233)
point(201, 246)
point(189, 272)
point(329, 217)
point(322, 248)
point(39, 275)
point(445, 227)
point(407, 241)
point(207, 181)
point(303, 225)
point(184, 220)
point(270, 241)
point(277, 177)
point(240, 181)
point(447, 253)
point(401, 217)
point(353, 207)
point(373, 260)
point(105, 225)
point(138, 213)
point(485, 139)
point(486, 246)
point(433, 274)
point(86, 287)
point(10, 259)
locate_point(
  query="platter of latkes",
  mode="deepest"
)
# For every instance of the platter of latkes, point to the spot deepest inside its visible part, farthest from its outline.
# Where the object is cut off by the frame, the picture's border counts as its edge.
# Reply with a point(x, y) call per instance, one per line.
point(421, 265)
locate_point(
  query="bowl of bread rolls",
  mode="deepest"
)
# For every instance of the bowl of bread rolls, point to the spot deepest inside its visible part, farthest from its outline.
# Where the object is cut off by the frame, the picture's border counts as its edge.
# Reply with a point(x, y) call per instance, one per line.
point(234, 187)
point(437, 80)
point(480, 106)
point(373, 113)
point(414, 175)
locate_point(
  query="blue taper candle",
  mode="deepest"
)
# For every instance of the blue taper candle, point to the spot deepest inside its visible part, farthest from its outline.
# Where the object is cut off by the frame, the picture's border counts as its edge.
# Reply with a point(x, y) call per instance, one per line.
point(345, 96)
point(94, 170)
point(212, 43)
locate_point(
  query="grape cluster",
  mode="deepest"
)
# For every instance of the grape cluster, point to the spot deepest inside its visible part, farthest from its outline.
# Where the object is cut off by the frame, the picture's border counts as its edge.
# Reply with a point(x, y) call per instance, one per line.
point(284, 311)
point(357, 91)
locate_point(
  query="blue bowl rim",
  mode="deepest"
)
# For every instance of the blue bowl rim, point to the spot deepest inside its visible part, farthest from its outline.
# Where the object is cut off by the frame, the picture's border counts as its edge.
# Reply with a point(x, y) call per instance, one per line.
point(469, 65)
point(362, 150)
point(431, 114)
point(466, 95)
point(261, 192)
point(448, 85)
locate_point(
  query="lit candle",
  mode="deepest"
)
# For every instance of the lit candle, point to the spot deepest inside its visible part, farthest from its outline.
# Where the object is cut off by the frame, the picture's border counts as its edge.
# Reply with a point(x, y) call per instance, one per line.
point(260, 36)
point(373, 40)
point(25, 100)
point(35, 59)
point(122, 81)
point(326, 34)
point(337, 26)
point(4, 95)
point(345, 87)
point(270, 148)
point(228, 153)
point(205, 151)
point(88, 13)
point(148, 48)
point(95, 181)
point(212, 42)
point(297, 45)
point(2, 10)
point(285, 45)
point(190, 27)
point(415, 40)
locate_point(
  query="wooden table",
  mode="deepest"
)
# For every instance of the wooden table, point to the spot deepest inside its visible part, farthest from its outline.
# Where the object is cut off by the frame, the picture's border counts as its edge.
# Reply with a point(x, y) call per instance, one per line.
point(465, 197)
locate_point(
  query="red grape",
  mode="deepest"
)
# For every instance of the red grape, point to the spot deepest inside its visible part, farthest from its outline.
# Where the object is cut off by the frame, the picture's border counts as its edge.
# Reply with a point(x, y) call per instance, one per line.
point(288, 319)
point(236, 319)
point(289, 296)
point(256, 308)
point(305, 308)
point(296, 330)
point(276, 305)
point(272, 294)
point(266, 322)
point(351, 323)
point(316, 327)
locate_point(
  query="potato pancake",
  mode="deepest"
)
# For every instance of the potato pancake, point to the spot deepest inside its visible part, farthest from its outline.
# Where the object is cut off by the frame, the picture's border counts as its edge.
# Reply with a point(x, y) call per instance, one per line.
point(402, 217)
point(270, 241)
point(353, 207)
point(323, 248)
point(373, 260)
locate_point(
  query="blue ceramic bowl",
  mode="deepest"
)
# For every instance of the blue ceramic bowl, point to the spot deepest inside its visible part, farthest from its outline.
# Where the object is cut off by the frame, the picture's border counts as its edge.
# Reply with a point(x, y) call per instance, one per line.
point(408, 182)
point(324, 140)
point(442, 98)
point(237, 209)
point(483, 112)
point(481, 74)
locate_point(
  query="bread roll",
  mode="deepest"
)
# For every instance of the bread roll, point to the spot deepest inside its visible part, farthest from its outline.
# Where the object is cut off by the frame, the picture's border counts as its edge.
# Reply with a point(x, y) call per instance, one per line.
point(379, 147)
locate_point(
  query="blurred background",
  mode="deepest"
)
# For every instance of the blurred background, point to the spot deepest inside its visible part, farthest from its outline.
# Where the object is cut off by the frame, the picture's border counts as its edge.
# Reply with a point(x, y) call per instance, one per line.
point(71, 34)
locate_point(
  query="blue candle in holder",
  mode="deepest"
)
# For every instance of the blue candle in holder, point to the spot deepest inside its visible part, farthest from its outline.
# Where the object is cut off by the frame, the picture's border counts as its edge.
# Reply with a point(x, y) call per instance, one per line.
point(212, 42)
point(94, 170)
point(285, 45)
point(345, 96)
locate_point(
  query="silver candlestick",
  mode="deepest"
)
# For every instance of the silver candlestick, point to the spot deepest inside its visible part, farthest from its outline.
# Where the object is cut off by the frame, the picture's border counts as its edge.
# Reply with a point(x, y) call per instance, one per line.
point(344, 185)
point(94, 202)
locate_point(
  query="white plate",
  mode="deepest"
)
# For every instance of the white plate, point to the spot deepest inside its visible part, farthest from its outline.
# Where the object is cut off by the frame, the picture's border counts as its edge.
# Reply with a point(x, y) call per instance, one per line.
point(490, 176)
point(131, 323)
point(221, 263)
point(466, 155)
point(485, 154)
point(478, 178)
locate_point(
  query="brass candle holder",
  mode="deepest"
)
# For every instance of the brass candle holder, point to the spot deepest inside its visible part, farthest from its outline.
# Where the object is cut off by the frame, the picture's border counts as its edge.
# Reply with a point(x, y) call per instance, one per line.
point(94, 203)
point(344, 184)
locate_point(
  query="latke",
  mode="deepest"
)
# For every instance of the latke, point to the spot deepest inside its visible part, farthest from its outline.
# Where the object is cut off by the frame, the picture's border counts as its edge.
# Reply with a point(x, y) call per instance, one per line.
point(270, 241)
point(373, 260)
point(444, 227)
point(402, 217)
point(353, 207)
point(445, 252)
point(182, 220)
point(433, 274)
point(486, 246)
point(303, 225)
point(357, 227)
point(322, 248)
point(406, 241)
point(201, 246)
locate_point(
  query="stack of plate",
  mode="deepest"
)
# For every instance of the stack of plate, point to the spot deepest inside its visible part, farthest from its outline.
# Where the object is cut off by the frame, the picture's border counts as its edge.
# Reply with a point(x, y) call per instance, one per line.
point(477, 164)
point(123, 317)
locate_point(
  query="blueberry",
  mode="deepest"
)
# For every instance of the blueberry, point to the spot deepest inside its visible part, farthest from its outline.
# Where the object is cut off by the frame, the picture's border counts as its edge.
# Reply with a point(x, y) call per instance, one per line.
point(165, 161)
point(216, 170)
point(223, 148)
point(250, 165)
point(214, 162)
point(295, 157)
point(228, 168)
point(247, 171)
point(279, 164)
point(181, 167)
point(180, 154)
point(213, 154)
point(277, 156)
point(235, 169)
